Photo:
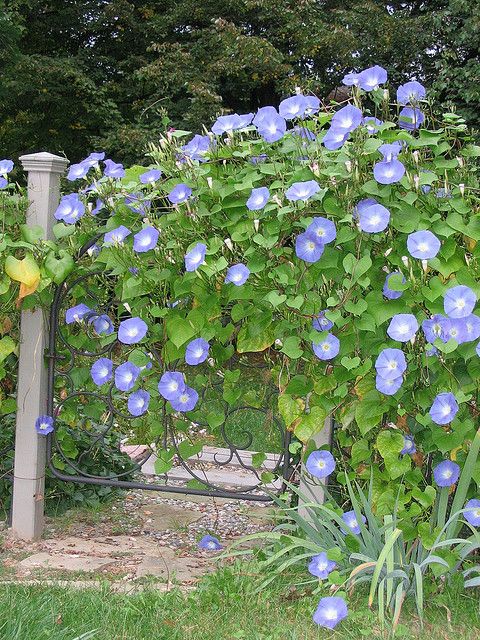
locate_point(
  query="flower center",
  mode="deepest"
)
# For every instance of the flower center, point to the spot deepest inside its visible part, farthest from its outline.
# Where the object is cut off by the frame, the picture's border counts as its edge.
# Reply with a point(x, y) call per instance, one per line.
point(330, 614)
point(325, 346)
point(460, 303)
point(183, 398)
point(392, 365)
point(173, 386)
point(423, 247)
point(310, 246)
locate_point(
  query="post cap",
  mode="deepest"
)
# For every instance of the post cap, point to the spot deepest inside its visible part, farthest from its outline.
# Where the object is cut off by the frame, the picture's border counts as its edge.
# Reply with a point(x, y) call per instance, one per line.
point(44, 162)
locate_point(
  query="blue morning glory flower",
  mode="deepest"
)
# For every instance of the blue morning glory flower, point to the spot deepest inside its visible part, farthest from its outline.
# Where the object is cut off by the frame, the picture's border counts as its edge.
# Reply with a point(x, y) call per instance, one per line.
point(472, 327)
point(388, 387)
point(145, 240)
point(372, 78)
point(347, 118)
point(270, 124)
point(302, 190)
point(70, 209)
point(101, 371)
point(94, 158)
point(330, 611)
point(313, 105)
point(171, 385)
point(350, 519)
point(391, 364)
point(320, 464)
point(402, 327)
point(351, 79)
point(410, 118)
point(457, 330)
point(151, 176)
point(446, 473)
point(391, 294)
point(77, 171)
point(408, 445)
point(320, 566)
point(444, 408)
point(102, 324)
point(432, 351)
point(386, 172)
point(195, 257)
point(180, 193)
point(258, 199)
point(390, 151)
point(98, 206)
point(116, 236)
point(44, 425)
point(472, 515)
point(328, 348)
point(304, 132)
point(293, 107)
point(186, 400)
point(197, 148)
point(423, 245)
point(443, 193)
point(322, 229)
point(308, 248)
point(459, 302)
point(372, 124)
point(335, 138)
point(76, 313)
point(372, 216)
point(132, 330)
point(5, 166)
point(210, 543)
point(113, 169)
point(126, 375)
point(322, 323)
point(3, 182)
point(258, 159)
point(138, 402)
point(196, 351)
point(410, 92)
point(436, 327)
point(237, 274)
point(135, 202)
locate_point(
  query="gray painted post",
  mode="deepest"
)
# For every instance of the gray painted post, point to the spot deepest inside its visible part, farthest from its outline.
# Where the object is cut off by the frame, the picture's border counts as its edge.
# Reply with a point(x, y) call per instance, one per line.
point(44, 172)
point(314, 492)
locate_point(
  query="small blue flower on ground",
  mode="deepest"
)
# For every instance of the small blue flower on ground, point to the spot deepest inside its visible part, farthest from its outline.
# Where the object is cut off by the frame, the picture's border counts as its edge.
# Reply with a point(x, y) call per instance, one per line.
point(132, 330)
point(258, 198)
point(459, 302)
point(196, 351)
point(210, 543)
point(320, 464)
point(446, 473)
point(186, 400)
point(101, 371)
point(402, 327)
point(320, 566)
point(473, 514)
point(328, 348)
point(126, 375)
point(330, 611)
point(444, 408)
point(44, 425)
point(237, 274)
point(145, 240)
point(423, 245)
point(171, 385)
point(321, 323)
point(195, 257)
point(138, 402)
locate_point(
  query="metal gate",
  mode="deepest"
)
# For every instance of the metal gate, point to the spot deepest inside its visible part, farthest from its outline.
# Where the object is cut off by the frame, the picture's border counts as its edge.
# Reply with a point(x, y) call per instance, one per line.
point(89, 421)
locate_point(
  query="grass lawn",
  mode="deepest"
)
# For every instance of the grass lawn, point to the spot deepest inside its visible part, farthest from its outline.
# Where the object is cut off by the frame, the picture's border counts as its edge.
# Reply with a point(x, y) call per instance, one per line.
point(223, 607)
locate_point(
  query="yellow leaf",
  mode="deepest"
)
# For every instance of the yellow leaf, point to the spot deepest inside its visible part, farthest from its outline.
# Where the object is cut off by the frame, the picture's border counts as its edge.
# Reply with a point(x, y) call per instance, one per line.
point(25, 271)
point(26, 290)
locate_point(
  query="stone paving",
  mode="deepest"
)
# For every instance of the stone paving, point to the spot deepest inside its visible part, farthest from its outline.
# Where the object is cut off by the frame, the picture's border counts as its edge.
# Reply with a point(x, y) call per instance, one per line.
point(144, 536)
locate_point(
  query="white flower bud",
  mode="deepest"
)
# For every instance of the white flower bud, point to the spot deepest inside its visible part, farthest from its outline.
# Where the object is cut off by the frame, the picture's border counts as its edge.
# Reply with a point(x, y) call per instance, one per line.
point(315, 169)
point(298, 91)
point(388, 252)
point(425, 265)
point(461, 161)
point(276, 199)
point(256, 224)
point(462, 188)
point(278, 343)
point(127, 307)
point(209, 182)
point(211, 361)
point(348, 165)
point(405, 260)
point(228, 243)
point(416, 156)
point(110, 201)
point(416, 181)
point(385, 95)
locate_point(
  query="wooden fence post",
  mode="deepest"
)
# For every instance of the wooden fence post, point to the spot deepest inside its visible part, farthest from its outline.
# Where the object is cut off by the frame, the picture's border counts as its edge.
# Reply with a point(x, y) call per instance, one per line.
point(314, 492)
point(44, 173)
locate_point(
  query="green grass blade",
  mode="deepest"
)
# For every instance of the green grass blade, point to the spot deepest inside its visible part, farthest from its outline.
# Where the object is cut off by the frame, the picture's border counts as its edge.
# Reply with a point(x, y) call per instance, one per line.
point(381, 561)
